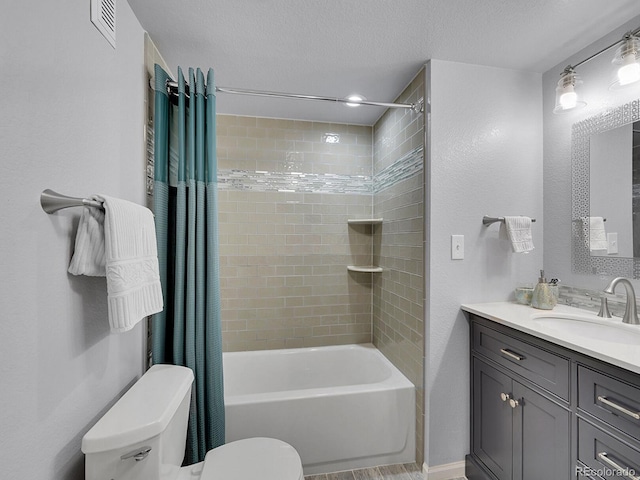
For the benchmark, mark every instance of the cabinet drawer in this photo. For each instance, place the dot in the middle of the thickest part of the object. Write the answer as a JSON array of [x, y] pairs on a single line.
[[544, 368], [605, 456], [610, 400]]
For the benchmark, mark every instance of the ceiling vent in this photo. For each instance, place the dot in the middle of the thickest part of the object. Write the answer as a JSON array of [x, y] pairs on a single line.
[[103, 16]]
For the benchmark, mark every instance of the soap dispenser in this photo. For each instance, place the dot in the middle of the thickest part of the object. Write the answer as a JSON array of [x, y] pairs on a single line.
[[543, 296]]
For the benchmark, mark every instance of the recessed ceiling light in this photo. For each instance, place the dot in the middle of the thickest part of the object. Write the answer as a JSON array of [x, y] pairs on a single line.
[[354, 100]]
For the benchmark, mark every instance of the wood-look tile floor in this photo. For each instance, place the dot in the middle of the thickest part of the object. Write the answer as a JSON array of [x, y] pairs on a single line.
[[408, 471]]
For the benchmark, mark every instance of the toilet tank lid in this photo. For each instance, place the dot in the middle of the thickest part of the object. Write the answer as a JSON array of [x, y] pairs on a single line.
[[143, 412]]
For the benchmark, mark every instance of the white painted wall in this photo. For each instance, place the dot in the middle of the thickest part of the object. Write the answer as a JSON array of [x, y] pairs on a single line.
[[484, 156], [71, 120], [596, 74]]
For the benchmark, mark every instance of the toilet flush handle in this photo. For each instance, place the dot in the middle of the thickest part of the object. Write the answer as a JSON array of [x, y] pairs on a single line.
[[138, 454]]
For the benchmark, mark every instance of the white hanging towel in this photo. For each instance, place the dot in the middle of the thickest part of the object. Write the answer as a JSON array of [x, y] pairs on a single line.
[[88, 255], [121, 245], [519, 233], [597, 235]]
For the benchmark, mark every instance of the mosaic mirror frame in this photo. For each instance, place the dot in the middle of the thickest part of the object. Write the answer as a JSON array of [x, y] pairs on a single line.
[[582, 260]]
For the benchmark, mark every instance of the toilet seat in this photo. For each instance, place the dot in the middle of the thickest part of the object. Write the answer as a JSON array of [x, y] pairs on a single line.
[[253, 458]]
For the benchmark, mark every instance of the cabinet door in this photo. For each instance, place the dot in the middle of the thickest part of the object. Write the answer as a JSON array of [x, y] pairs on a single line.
[[541, 434], [492, 420]]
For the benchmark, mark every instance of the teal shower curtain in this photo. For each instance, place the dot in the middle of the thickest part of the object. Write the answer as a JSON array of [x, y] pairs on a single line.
[[188, 331]]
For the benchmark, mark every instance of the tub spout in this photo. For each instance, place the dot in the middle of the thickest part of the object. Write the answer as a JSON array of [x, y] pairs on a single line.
[[631, 310]]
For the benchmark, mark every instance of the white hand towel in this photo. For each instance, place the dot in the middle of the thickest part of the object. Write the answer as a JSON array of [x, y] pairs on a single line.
[[519, 233], [88, 255], [597, 234], [130, 258]]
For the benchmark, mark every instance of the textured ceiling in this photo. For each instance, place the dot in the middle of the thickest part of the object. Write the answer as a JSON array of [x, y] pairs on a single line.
[[373, 47]]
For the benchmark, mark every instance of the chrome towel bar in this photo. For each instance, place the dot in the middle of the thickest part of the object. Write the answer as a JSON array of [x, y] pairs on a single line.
[[53, 201], [487, 220]]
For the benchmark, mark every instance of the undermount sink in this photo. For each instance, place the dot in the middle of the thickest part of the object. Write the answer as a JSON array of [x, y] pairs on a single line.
[[596, 328]]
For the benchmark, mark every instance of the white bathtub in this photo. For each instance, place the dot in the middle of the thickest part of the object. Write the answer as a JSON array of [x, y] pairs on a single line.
[[341, 407]]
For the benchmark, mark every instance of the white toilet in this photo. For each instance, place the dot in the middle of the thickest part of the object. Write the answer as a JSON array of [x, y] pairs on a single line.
[[142, 437]]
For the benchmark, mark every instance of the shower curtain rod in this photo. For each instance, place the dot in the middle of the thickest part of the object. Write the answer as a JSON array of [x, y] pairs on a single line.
[[172, 89]]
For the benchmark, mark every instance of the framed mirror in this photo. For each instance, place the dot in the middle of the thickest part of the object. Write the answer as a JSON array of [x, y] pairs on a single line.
[[606, 193]]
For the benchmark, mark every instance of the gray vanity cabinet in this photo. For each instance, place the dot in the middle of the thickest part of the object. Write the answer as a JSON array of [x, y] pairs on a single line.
[[517, 433], [492, 419], [540, 411], [541, 430], [521, 423]]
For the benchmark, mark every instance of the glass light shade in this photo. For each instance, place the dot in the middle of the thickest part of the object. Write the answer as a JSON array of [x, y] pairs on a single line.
[[627, 58], [567, 98], [628, 74]]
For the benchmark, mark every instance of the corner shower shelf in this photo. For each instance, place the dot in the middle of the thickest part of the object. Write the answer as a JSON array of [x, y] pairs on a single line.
[[364, 221], [364, 269]]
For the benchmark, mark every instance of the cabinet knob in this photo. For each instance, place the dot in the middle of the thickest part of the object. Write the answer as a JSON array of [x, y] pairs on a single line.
[[513, 403], [504, 397]]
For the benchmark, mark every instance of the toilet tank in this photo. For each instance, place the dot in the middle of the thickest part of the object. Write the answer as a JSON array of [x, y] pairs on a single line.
[[153, 414]]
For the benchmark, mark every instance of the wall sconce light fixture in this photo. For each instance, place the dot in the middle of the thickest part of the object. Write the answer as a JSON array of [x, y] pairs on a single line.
[[566, 96], [627, 58]]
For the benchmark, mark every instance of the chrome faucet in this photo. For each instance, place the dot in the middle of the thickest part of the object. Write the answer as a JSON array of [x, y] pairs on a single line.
[[631, 311]]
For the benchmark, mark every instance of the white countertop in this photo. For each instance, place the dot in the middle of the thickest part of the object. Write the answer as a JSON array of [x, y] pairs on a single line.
[[520, 317]]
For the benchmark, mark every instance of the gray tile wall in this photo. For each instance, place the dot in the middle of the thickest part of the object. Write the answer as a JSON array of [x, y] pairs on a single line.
[[284, 247], [398, 313]]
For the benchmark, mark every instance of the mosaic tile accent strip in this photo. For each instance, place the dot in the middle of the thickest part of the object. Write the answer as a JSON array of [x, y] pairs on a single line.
[[406, 167], [262, 181], [590, 299]]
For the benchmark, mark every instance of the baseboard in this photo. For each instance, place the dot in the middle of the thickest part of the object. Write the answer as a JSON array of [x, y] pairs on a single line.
[[447, 471]]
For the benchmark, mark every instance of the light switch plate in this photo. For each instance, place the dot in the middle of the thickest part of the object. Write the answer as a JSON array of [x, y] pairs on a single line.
[[457, 247]]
